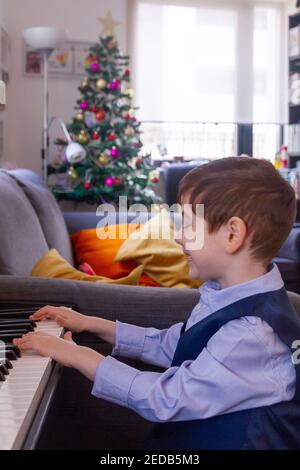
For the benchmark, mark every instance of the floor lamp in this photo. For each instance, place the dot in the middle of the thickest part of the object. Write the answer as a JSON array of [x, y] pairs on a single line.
[[45, 39]]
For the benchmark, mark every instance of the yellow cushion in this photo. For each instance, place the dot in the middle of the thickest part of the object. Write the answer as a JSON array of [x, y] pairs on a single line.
[[162, 259], [55, 266]]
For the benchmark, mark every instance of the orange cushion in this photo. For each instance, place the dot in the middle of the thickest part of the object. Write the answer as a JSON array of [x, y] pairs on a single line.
[[100, 253]]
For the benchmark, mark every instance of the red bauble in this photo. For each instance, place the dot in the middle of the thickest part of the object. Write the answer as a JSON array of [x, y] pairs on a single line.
[[94, 109], [127, 72], [100, 115], [87, 185], [138, 161], [112, 137], [95, 136], [118, 180], [155, 179], [127, 116]]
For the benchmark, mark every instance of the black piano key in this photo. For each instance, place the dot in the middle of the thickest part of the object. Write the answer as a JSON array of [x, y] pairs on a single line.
[[4, 369], [16, 321], [12, 330], [11, 355], [8, 364], [17, 313], [8, 335], [11, 347], [16, 326]]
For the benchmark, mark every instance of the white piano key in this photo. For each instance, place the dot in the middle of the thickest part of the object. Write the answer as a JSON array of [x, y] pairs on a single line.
[[22, 391]]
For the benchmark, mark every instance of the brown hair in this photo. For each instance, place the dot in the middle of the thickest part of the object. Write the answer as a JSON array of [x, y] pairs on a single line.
[[245, 187]]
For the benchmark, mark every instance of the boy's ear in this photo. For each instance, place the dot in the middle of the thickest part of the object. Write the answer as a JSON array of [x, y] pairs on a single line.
[[236, 234]]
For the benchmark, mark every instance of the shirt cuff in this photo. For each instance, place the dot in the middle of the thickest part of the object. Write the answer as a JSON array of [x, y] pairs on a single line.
[[130, 340], [113, 381]]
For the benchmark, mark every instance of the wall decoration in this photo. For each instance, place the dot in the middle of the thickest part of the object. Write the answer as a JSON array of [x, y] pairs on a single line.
[[81, 51], [4, 54], [66, 61], [61, 60]]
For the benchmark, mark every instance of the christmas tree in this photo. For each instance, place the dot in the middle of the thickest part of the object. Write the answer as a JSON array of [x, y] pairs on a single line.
[[105, 125]]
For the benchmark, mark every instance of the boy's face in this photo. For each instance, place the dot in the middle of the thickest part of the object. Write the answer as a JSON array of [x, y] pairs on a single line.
[[206, 260], [212, 254]]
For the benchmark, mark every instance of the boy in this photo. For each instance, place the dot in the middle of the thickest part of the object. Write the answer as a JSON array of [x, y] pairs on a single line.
[[230, 382]]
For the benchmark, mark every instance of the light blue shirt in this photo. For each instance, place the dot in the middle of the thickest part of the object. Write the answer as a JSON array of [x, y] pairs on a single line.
[[244, 365]]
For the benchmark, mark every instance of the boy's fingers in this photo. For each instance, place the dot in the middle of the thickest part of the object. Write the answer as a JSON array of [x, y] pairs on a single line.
[[23, 342], [45, 312], [68, 336], [60, 320], [36, 333]]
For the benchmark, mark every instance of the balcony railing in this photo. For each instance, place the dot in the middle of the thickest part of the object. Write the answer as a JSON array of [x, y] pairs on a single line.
[[196, 140]]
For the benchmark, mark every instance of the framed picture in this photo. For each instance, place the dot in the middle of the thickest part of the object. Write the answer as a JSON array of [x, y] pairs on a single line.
[[61, 60], [4, 54], [33, 62], [81, 51], [66, 61]]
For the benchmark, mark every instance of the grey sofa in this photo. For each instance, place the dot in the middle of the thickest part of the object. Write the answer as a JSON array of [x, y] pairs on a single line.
[[31, 223]]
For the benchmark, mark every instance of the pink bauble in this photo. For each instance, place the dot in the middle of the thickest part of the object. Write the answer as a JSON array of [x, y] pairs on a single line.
[[95, 67], [84, 105], [114, 85], [114, 152], [109, 181]]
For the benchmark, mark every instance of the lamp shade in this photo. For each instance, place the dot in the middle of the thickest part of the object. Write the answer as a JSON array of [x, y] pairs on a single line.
[[75, 153], [44, 37]]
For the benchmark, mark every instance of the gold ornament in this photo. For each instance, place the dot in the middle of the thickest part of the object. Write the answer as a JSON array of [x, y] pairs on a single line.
[[131, 112], [84, 83], [72, 172], [129, 92], [129, 131], [104, 159], [83, 137], [79, 116], [101, 84]]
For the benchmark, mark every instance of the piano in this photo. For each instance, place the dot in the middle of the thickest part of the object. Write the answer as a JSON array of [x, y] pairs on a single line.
[[27, 381], [44, 406]]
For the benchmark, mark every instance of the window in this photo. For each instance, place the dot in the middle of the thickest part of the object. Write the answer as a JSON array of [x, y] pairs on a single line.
[[208, 61]]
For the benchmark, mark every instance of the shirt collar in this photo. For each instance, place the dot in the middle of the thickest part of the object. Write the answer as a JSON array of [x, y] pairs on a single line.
[[215, 298]]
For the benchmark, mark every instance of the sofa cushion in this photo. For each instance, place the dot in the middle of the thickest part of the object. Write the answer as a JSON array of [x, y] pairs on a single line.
[[154, 247], [48, 212], [53, 265], [22, 238], [99, 252]]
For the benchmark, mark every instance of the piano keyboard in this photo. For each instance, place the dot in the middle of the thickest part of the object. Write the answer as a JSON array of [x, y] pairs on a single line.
[[23, 377]]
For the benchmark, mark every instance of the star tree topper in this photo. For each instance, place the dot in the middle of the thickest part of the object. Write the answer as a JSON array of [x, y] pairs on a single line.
[[108, 25]]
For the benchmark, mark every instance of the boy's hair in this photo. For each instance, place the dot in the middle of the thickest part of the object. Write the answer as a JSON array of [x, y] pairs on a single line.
[[245, 187]]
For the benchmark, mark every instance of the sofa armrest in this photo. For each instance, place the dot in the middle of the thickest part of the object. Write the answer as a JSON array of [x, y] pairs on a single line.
[[291, 247], [144, 306]]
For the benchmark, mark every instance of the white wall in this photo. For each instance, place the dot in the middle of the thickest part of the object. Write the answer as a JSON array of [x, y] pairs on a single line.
[[22, 143], [2, 10], [291, 7]]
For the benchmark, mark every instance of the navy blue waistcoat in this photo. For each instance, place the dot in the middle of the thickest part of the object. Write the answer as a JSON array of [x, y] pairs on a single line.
[[269, 427]]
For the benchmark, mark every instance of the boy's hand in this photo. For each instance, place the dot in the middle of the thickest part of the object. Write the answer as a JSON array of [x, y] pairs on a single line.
[[46, 345], [62, 350], [63, 316]]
